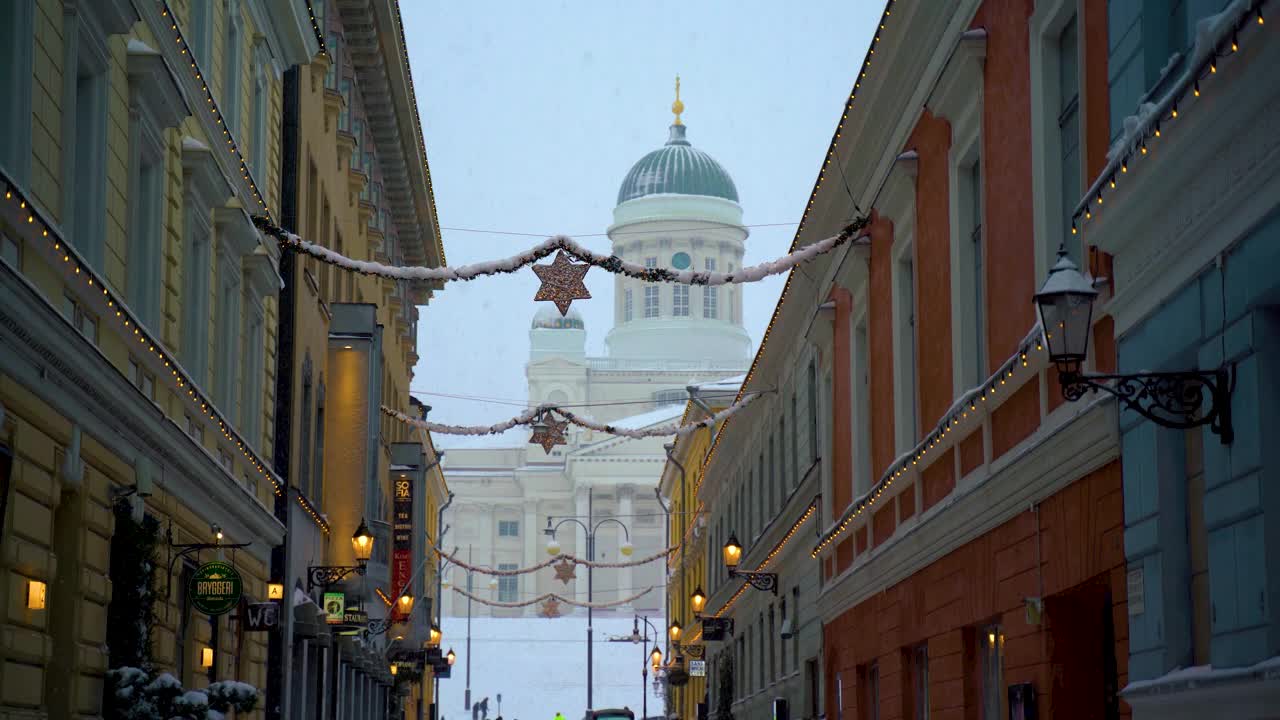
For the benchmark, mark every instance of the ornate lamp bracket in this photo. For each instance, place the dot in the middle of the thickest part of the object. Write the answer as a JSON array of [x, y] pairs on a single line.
[[324, 576], [758, 580], [1169, 399]]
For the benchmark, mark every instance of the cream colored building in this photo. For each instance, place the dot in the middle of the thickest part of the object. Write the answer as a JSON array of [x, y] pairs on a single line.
[[677, 208]]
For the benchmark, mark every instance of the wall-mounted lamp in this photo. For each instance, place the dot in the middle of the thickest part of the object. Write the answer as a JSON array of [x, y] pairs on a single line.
[[36, 594]]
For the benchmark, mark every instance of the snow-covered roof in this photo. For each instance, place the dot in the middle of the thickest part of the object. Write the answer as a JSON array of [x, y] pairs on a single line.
[[516, 437], [666, 413]]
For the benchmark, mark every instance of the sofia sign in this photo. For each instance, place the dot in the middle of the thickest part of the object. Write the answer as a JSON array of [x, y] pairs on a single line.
[[215, 588]]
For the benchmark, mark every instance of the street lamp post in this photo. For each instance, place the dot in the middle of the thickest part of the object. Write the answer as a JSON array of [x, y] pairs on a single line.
[[493, 583], [553, 547], [654, 657]]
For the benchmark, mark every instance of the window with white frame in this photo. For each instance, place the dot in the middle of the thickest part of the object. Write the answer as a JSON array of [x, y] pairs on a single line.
[[232, 52], [227, 342], [195, 430], [252, 386], [143, 380], [680, 300], [970, 344], [710, 293], [508, 585], [651, 308], [84, 133], [812, 387], [508, 528], [628, 305], [197, 268], [199, 34], [80, 318], [1069, 160], [904, 355], [17, 47], [260, 127], [862, 479]]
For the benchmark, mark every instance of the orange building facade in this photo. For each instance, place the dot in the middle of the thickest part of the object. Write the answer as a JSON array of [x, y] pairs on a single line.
[[972, 545]]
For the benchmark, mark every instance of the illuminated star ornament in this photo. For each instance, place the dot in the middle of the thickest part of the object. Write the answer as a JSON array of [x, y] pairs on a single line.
[[562, 282], [549, 432], [550, 608], [565, 571]]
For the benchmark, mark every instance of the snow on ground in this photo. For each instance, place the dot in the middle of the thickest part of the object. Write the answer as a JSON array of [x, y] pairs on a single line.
[[540, 667]]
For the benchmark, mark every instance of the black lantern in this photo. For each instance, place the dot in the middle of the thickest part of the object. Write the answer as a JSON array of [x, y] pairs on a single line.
[[697, 601], [759, 580], [1170, 399], [327, 575]]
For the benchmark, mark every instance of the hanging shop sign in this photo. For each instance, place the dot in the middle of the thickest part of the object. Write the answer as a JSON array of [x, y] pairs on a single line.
[[262, 617], [215, 588], [714, 628], [402, 537], [335, 606], [697, 668]]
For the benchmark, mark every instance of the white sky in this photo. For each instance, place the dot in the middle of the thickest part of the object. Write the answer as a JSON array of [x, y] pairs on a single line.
[[534, 111]]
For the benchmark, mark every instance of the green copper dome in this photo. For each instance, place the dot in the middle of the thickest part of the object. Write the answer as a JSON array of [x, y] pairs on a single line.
[[677, 168]]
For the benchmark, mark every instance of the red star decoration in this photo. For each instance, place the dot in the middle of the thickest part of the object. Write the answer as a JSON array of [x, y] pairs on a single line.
[[551, 435], [565, 571], [550, 608], [562, 282]]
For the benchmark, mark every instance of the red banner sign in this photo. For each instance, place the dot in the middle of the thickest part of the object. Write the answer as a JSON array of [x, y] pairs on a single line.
[[402, 541]]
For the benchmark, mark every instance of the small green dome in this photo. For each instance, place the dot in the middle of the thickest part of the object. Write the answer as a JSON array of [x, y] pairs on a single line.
[[677, 168]]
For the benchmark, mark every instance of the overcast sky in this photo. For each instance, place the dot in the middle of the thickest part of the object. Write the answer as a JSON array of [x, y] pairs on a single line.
[[534, 111]]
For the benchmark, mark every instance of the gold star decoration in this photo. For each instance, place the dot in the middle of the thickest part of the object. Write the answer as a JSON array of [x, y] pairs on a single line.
[[562, 282], [550, 435], [550, 608], [565, 570]]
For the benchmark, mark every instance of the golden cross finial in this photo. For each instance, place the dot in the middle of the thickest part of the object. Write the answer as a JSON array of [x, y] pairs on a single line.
[[677, 107]]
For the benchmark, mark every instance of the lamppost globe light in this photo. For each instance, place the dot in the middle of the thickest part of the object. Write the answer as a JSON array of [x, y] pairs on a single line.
[[446, 583], [493, 583], [627, 548], [362, 543], [553, 547], [732, 552]]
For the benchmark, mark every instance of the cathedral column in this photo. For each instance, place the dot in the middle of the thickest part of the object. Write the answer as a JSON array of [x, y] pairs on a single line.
[[625, 577]]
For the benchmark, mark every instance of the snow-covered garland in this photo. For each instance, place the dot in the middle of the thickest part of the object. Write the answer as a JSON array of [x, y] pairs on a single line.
[[548, 596], [453, 560], [610, 263], [528, 417]]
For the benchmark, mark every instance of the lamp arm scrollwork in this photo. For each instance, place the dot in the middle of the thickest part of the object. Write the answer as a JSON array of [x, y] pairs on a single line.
[[1170, 399]]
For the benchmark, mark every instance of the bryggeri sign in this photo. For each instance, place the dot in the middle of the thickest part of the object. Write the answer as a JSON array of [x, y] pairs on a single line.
[[215, 588]]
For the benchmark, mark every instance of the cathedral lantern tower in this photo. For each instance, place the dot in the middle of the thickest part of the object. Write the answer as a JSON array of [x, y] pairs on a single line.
[[678, 208]]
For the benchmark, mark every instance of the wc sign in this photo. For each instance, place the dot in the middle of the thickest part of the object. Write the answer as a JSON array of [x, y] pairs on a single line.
[[262, 617]]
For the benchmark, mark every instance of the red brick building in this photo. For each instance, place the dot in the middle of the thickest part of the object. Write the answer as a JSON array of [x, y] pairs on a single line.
[[971, 551]]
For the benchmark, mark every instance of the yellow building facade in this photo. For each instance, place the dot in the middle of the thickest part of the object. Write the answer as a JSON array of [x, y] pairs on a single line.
[[687, 566], [138, 306], [357, 182]]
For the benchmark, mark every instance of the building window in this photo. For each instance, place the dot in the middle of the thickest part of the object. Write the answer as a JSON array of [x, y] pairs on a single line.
[[786, 476], [17, 40], [10, 251], [680, 300], [260, 128], [651, 301], [795, 439], [333, 43], [972, 343], [141, 379], [1198, 546], [773, 658], [991, 672], [627, 305], [813, 410], [1068, 135], [196, 270], [508, 528], [904, 355], [920, 681], [1142, 36], [251, 403], [85, 145], [229, 323], [80, 319], [224, 459], [344, 116], [775, 476], [872, 693], [795, 626], [710, 293], [508, 585], [200, 35], [231, 67], [195, 430], [862, 409]]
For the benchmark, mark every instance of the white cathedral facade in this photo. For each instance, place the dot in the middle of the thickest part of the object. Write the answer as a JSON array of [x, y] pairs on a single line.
[[677, 208]]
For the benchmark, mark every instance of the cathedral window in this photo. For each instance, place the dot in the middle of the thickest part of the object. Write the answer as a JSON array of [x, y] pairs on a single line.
[[651, 301], [710, 294], [680, 301], [627, 305]]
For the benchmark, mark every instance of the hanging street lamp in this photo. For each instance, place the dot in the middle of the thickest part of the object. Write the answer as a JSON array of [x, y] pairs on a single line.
[[324, 576], [732, 552], [1170, 399], [698, 601]]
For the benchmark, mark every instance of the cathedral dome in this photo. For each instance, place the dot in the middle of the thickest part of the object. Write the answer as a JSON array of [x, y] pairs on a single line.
[[550, 318], [677, 168]]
